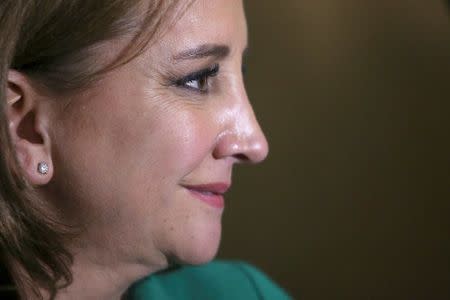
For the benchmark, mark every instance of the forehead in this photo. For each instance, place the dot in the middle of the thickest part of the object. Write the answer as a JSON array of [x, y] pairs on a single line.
[[206, 22]]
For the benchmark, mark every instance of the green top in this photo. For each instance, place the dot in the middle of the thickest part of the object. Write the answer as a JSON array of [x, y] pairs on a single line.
[[218, 280]]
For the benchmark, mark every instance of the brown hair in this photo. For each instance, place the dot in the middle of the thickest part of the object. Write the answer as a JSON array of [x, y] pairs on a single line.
[[53, 43]]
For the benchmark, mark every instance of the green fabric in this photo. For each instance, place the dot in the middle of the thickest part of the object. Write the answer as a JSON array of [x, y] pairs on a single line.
[[218, 280]]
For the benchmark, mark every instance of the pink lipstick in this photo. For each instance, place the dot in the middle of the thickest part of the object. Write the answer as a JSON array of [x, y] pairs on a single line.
[[211, 194]]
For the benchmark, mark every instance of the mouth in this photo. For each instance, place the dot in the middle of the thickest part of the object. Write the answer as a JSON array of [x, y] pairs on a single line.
[[212, 193]]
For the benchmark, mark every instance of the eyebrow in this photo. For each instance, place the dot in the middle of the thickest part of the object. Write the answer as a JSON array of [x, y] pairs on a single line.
[[202, 51]]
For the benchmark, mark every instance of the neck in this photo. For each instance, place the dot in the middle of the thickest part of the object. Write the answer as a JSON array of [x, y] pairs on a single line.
[[98, 278], [101, 282]]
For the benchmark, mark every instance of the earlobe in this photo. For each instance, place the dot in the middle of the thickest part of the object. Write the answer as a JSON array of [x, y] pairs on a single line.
[[26, 119], [37, 171]]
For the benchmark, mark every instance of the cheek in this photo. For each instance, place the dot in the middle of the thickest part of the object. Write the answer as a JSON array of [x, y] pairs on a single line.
[[183, 142], [177, 144]]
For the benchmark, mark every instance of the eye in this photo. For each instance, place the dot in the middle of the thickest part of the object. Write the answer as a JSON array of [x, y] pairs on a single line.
[[198, 81]]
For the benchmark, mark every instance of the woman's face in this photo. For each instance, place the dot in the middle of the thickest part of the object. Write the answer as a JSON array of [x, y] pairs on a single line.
[[142, 158]]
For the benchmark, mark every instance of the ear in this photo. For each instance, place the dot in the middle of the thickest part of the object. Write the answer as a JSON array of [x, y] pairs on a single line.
[[28, 119]]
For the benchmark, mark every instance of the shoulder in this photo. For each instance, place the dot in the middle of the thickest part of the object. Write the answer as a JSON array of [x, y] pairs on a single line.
[[216, 280]]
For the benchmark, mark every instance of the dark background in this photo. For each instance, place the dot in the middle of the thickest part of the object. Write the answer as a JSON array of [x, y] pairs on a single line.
[[353, 201]]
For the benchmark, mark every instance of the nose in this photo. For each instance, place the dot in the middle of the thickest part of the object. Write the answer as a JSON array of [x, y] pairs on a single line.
[[242, 137]]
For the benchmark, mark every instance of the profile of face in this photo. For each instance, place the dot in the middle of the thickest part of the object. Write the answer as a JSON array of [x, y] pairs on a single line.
[[142, 159]]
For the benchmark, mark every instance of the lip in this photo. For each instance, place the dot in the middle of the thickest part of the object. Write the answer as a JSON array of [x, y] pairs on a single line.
[[210, 193]]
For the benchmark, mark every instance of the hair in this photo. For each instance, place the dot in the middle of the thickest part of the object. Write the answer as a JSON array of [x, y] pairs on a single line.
[[54, 44]]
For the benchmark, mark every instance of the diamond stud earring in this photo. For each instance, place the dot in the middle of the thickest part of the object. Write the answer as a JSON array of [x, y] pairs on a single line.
[[42, 168]]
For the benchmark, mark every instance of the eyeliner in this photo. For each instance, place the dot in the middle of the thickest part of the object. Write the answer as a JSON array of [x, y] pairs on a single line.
[[208, 72]]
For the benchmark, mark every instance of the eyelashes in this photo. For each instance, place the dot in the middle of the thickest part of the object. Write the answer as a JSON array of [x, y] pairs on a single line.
[[198, 81]]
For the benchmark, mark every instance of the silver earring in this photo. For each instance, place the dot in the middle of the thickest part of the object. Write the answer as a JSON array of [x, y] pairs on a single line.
[[42, 168]]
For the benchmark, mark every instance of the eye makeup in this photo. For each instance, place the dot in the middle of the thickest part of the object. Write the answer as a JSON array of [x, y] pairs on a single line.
[[197, 81]]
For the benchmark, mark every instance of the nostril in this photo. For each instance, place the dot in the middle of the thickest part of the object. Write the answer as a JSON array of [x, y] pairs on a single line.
[[241, 157]]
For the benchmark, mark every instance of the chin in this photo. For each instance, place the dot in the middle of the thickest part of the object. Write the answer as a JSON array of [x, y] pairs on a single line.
[[200, 248]]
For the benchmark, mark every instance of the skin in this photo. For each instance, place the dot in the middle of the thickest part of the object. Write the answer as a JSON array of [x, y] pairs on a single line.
[[121, 152]]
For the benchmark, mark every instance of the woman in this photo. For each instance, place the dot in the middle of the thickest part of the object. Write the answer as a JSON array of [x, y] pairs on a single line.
[[121, 122]]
